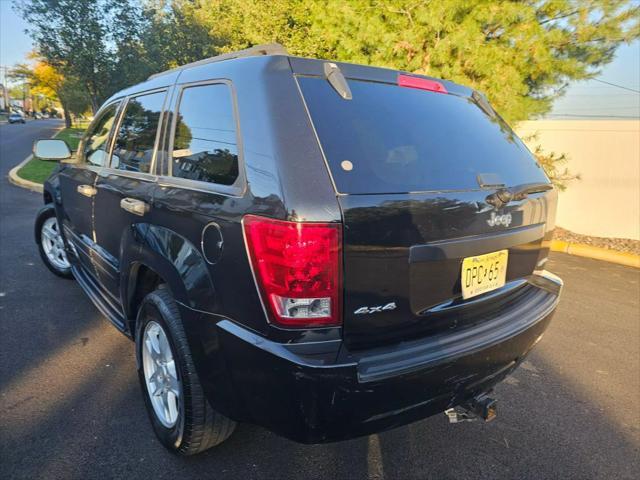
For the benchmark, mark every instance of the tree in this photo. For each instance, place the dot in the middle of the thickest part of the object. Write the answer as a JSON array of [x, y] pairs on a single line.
[[43, 78], [521, 54], [553, 164], [92, 41], [69, 34], [73, 98], [128, 27], [173, 36], [33, 84], [18, 91]]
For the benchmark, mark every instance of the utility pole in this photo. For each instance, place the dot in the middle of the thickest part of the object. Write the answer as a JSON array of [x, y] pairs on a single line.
[[4, 103]]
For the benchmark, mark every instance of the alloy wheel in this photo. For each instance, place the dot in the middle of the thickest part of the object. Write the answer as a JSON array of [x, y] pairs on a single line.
[[163, 386], [53, 245]]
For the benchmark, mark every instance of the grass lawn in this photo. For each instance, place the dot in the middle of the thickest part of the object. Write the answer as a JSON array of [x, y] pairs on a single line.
[[71, 136], [37, 170]]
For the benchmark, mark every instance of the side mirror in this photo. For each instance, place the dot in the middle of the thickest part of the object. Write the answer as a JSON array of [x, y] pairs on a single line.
[[51, 149]]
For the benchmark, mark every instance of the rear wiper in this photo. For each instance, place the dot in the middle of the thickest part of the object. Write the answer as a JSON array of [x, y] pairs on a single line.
[[502, 196]]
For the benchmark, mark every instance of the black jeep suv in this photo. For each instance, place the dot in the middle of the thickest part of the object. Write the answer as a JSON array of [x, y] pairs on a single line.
[[324, 249]]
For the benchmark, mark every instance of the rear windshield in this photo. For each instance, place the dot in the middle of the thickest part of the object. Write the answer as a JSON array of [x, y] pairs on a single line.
[[391, 139]]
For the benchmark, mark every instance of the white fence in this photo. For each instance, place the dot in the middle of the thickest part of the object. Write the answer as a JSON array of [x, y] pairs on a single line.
[[606, 154]]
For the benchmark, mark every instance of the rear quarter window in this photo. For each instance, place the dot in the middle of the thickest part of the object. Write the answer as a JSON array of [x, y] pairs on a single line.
[[205, 146], [392, 139]]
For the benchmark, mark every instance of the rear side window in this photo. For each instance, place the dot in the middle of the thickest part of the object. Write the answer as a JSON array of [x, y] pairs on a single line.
[[136, 136], [392, 139], [205, 145], [95, 143]]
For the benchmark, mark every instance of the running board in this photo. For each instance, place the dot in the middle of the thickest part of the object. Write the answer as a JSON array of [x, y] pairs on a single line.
[[93, 292]]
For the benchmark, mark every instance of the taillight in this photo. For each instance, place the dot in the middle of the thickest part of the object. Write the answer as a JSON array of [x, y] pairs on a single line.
[[297, 267], [421, 83]]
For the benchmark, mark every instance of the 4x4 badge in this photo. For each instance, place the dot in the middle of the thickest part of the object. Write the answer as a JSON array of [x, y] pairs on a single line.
[[379, 308]]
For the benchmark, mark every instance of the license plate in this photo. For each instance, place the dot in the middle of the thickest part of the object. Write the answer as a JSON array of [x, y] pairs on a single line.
[[483, 273]]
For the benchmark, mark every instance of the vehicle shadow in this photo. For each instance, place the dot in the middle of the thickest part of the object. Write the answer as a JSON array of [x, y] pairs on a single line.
[[40, 314], [71, 408], [41, 335], [101, 431], [547, 427]]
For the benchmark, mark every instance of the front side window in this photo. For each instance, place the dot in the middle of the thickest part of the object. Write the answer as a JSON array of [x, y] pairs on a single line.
[[205, 146], [136, 135], [95, 143]]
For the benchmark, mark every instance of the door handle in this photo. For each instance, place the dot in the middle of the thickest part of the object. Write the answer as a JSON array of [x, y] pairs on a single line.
[[131, 205], [87, 190]]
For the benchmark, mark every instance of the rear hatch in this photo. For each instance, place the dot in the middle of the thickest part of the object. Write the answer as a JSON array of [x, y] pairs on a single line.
[[413, 169]]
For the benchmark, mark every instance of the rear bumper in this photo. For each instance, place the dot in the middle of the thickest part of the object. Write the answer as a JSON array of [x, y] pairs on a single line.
[[300, 395]]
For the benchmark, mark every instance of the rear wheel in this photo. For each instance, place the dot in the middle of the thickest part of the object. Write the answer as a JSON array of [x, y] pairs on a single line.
[[50, 242], [180, 414]]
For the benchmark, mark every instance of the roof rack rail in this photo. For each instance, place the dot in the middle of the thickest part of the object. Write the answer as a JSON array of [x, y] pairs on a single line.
[[255, 51]]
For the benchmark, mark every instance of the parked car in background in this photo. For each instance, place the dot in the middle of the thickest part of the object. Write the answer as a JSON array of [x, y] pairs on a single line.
[[327, 250], [16, 117]]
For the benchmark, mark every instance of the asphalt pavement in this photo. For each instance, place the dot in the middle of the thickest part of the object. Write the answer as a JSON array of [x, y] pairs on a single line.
[[70, 405]]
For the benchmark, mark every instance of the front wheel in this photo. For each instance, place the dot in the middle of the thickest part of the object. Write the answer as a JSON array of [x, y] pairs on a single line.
[[180, 414], [50, 242]]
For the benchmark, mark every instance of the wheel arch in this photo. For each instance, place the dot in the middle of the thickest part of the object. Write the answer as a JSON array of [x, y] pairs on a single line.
[[51, 188], [47, 197], [142, 281], [36, 227], [155, 256]]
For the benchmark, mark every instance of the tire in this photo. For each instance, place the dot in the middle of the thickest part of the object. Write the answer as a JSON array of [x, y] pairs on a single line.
[[50, 242], [196, 426]]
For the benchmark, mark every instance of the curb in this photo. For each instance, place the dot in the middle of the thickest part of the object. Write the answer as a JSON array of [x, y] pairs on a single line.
[[597, 253], [21, 182]]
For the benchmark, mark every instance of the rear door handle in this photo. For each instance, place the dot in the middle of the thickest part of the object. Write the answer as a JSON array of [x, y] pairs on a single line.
[[131, 205], [87, 190]]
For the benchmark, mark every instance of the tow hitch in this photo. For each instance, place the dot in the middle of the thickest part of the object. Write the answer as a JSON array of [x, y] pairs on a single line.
[[480, 407]]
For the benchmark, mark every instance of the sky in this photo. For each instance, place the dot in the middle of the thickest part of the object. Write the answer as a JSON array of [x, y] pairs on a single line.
[[585, 99], [595, 98], [14, 43]]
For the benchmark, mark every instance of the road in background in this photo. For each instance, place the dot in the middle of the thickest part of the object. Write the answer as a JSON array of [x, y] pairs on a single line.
[[16, 141], [70, 405]]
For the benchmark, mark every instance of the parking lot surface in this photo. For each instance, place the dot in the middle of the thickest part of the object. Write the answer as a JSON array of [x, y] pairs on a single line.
[[70, 405]]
